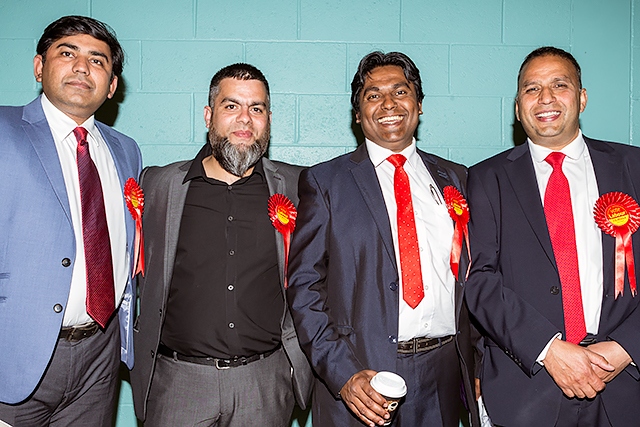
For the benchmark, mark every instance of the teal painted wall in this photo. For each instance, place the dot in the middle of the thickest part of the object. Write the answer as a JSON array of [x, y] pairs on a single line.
[[468, 52]]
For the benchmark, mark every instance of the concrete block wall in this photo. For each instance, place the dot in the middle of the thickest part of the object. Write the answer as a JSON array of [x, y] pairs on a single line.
[[468, 53]]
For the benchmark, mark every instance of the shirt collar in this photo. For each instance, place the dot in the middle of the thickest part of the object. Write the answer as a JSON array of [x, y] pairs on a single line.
[[62, 125], [196, 170], [379, 154], [573, 150]]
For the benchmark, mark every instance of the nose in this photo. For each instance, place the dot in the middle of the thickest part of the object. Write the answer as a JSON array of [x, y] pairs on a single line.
[[546, 96], [81, 65], [244, 116], [388, 102]]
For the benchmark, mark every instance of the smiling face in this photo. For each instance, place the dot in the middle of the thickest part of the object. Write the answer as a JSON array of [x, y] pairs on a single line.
[[389, 108], [76, 75], [550, 101]]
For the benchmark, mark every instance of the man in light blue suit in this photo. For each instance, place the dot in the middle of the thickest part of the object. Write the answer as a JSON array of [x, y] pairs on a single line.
[[59, 359]]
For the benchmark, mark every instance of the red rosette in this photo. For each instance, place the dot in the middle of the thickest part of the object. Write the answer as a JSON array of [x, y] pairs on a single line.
[[618, 215], [459, 213], [283, 214], [135, 203]]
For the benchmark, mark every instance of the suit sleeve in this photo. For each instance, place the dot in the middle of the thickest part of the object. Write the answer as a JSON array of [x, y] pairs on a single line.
[[509, 320], [329, 352]]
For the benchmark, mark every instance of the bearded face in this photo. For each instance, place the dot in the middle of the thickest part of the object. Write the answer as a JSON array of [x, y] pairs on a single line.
[[239, 123], [237, 158]]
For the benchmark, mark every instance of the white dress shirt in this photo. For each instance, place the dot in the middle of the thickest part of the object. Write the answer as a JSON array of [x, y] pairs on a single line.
[[435, 315], [578, 169], [66, 144]]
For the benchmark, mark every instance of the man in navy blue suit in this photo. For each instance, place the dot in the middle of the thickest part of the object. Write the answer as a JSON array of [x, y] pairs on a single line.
[[347, 284], [66, 237], [562, 325]]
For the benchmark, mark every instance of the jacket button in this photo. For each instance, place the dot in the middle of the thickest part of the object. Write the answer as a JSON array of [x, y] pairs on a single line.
[[66, 262], [393, 286], [57, 308], [393, 339], [554, 290], [153, 354]]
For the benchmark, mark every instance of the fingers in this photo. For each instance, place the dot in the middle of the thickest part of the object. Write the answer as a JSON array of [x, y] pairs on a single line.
[[570, 367], [363, 400], [599, 361]]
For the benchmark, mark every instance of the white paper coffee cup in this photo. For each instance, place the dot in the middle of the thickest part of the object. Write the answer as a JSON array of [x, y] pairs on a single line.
[[392, 387]]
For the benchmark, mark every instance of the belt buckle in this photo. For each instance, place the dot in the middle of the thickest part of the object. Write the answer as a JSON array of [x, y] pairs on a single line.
[[587, 341], [219, 366]]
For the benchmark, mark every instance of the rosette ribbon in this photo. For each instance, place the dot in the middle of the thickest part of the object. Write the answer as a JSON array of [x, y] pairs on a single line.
[[283, 214], [618, 215], [459, 213], [135, 203]]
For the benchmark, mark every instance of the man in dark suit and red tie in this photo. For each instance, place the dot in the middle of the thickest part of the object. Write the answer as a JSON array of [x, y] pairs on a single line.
[[371, 286], [547, 284]]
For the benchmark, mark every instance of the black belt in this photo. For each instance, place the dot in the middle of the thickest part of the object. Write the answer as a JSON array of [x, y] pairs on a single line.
[[77, 333], [418, 345], [213, 361]]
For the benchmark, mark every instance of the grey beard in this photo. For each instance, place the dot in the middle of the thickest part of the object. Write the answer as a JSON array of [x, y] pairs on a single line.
[[237, 159]]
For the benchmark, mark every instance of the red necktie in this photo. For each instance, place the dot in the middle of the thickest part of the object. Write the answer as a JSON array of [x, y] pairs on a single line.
[[95, 235], [559, 214], [412, 289]]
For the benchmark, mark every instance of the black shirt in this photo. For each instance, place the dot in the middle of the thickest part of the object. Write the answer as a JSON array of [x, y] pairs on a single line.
[[225, 298]]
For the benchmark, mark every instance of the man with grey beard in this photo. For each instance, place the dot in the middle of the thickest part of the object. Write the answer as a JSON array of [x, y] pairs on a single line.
[[215, 340]]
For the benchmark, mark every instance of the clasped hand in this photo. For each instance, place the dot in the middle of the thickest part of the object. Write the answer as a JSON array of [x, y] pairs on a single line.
[[582, 372]]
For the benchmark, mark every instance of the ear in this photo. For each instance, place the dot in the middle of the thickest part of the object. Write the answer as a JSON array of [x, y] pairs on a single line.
[[112, 87], [517, 110], [358, 118], [420, 108], [269, 117], [38, 64], [583, 99], [208, 115]]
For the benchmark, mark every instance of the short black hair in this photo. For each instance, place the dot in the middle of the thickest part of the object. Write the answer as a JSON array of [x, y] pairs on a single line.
[[74, 25], [239, 71], [552, 51], [379, 59]]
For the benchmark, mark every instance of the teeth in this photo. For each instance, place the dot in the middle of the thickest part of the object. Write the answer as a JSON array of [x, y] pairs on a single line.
[[548, 114], [389, 119]]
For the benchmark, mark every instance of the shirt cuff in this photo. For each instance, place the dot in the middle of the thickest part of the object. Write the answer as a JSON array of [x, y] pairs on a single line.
[[545, 350]]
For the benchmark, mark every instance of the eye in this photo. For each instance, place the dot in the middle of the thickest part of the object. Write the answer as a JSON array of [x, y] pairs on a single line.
[[229, 107], [561, 85], [372, 97], [401, 92], [531, 89], [66, 53], [258, 110], [97, 61]]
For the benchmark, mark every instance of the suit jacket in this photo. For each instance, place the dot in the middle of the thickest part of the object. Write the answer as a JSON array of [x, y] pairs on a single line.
[[343, 285], [36, 235], [165, 194], [513, 287]]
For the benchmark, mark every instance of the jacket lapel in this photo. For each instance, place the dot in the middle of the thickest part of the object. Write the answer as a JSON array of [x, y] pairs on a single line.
[[37, 129], [522, 178], [443, 178], [176, 195], [276, 184], [366, 180], [610, 177]]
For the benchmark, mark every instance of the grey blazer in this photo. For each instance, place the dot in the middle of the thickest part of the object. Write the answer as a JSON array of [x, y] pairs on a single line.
[[165, 194]]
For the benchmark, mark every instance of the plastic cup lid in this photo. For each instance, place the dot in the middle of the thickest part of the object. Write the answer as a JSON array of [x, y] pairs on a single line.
[[389, 384]]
